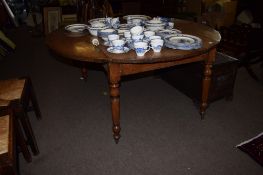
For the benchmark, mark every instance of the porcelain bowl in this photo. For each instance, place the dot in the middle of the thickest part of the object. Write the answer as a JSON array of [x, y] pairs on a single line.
[[96, 20], [136, 21], [154, 21], [106, 32], [94, 30], [155, 27], [98, 24]]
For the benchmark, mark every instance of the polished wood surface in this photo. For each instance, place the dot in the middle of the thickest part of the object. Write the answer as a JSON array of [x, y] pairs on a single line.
[[81, 48], [117, 65]]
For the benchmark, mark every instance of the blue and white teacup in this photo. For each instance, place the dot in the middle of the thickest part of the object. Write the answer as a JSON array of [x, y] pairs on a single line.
[[118, 45], [137, 30], [137, 38], [148, 34], [157, 44], [105, 32], [127, 34], [154, 37], [115, 22], [141, 48], [113, 37], [170, 25]]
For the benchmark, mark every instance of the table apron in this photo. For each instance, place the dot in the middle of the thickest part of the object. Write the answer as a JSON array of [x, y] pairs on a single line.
[[128, 69]]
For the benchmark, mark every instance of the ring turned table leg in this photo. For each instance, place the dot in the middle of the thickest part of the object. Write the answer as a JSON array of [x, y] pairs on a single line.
[[114, 83], [207, 81]]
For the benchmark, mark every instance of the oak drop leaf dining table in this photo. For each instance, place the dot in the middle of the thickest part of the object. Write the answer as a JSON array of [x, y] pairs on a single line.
[[117, 65]]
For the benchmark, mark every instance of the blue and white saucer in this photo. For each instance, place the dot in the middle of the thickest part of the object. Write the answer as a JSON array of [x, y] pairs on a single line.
[[112, 50], [165, 32], [76, 28], [183, 42]]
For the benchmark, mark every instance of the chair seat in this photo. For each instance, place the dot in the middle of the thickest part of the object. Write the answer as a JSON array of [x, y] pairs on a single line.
[[20, 94], [11, 89], [4, 134]]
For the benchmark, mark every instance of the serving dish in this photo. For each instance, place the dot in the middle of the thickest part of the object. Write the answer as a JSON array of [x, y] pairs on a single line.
[[76, 28], [183, 42], [165, 32], [143, 17], [95, 20]]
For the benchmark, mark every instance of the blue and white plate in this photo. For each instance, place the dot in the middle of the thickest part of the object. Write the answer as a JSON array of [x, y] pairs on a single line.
[[165, 32], [183, 42], [143, 17], [112, 50], [76, 28], [95, 20]]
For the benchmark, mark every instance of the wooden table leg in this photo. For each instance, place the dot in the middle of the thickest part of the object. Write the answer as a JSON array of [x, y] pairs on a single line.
[[114, 83], [84, 73], [206, 81]]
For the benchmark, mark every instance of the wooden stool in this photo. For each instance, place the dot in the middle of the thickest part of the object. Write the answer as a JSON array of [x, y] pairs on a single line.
[[20, 93]]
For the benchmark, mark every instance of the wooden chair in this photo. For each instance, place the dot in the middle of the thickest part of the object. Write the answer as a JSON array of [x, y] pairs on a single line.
[[8, 163], [18, 137], [89, 9], [20, 93]]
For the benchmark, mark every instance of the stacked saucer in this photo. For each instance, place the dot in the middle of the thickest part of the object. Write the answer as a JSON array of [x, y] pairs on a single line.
[[155, 25], [76, 29], [182, 42], [165, 32]]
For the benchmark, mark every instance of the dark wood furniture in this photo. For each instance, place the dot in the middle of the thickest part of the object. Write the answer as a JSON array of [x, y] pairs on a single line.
[[8, 158], [20, 93], [241, 42], [168, 8], [188, 78], [118, 65]]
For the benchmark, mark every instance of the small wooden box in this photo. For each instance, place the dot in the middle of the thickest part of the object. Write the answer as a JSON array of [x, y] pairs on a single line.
[[188, 78]]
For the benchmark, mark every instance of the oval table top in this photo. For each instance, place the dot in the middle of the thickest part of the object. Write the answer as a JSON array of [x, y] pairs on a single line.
[[80, 47]]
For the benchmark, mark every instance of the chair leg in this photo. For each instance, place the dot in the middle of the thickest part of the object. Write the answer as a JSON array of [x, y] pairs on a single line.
[[28, 131], [33, 99], [21, 142]]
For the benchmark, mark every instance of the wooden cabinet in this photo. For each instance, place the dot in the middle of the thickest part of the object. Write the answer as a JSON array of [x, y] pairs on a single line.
[[188, 78]]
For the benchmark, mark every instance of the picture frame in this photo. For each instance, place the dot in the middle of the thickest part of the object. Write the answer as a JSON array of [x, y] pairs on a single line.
[[52, 19]]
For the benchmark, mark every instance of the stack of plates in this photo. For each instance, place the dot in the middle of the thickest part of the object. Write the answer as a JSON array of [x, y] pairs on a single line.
[[155, 25], [143, 17], [97, 20], [182, 42], [165, 32], [76, 29], [134, 20]]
